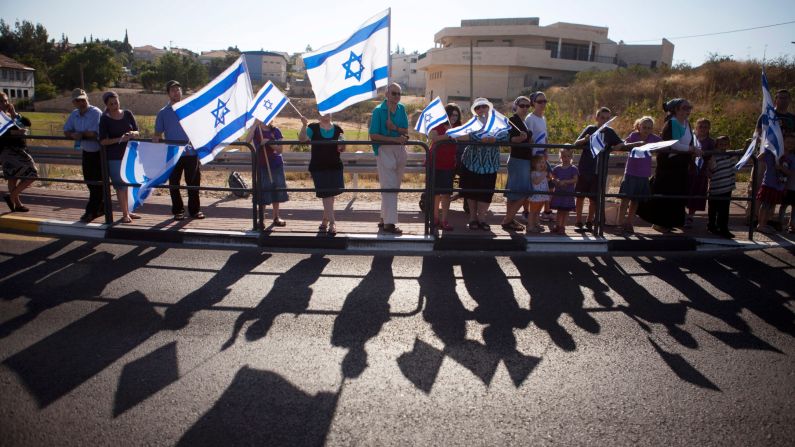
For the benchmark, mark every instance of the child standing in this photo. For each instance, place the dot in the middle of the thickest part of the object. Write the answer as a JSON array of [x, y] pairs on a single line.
[[772, 191], [636, 174], [539, 178], [721, 184], [565, 177]]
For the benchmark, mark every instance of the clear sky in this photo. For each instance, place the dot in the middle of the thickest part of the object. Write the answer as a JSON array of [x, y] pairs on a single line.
[[290, 26]]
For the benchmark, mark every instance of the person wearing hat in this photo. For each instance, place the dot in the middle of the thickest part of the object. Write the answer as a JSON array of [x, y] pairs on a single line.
[[389, 127], [82, 126], [167, 124], [116, 128], [479, 168]]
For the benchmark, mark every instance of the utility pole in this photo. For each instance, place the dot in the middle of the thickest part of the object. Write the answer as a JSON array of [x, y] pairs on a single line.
[[471, 74], [82, 81]]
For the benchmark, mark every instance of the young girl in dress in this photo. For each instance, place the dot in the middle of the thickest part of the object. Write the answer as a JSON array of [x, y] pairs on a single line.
[[564, 177], [539, 179]]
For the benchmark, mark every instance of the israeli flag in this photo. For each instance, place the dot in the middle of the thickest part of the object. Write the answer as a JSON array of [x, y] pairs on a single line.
[[496, 123], [433, 115], [699, 160], [149, 165], [350, 71], [772, 138], [5, 123], [217, 114], [267, 104], [598, 138], [646, 150], [473, 125]]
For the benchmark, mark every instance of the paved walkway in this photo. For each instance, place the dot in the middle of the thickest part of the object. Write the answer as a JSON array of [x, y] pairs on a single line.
[[356, 219]]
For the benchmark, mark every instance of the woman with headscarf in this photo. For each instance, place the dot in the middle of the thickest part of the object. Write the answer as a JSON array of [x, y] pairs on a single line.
[[15, 158], [116, 128], [479, 168], [670, 175]]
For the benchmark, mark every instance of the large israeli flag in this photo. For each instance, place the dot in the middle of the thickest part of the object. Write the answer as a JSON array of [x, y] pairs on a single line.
[[598, 138], [349, 71], [217, 114], [646, 150], [771, 137], [268, 102], [149, 165], [5, 123], [433, 115], [473, 125]]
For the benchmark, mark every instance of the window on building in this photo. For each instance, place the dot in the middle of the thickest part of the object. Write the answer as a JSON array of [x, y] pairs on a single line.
[[5, 90], [552, 47], [413, 71], [574, 51], [25, 93], [653, 64], [13, 93], [484, 43], [413, 60]]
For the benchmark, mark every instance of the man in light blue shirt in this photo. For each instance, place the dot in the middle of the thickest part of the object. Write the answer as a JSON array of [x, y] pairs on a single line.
[[167, 123], [82, 126], [389, 124]]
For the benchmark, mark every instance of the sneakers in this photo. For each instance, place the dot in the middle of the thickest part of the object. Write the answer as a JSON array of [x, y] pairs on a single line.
[[393, 229]]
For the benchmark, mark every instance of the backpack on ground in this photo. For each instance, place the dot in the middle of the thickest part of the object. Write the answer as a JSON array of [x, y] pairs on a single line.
[[237, 181]]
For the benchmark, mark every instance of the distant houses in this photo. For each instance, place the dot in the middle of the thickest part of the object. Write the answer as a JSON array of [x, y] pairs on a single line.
[[16, 79]]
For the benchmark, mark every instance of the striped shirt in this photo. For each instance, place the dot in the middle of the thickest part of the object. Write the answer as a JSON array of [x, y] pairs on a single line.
[[723, 176]]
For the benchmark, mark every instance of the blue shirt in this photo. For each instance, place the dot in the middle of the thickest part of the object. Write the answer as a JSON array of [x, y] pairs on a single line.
[[167, 123], [87, 122], [379, 118]]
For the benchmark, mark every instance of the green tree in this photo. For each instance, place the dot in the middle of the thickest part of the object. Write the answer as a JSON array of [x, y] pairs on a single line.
[[187, 70], [92, 64]]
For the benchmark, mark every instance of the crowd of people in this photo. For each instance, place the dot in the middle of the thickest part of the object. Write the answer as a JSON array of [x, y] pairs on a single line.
[[693, 174]]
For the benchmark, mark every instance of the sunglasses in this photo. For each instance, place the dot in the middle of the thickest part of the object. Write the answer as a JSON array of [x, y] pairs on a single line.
[[523, 106], [541, 101], [395, 93]]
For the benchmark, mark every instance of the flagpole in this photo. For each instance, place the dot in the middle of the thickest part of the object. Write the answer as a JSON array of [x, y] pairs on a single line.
[[389, 49], [296, 110], [264, 152]]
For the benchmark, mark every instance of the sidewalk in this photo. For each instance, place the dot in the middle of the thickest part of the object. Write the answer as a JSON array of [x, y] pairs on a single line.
[[230, 221]]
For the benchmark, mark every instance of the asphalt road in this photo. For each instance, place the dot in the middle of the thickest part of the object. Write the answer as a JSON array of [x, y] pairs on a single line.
[[108, 344]]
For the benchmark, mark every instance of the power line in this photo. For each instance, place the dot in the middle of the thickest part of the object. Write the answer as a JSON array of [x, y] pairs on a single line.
[[713, 34]]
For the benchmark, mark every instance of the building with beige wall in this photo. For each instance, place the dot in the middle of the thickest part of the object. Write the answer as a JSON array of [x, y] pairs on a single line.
[[266, 66], [509, 56], [404, 71]]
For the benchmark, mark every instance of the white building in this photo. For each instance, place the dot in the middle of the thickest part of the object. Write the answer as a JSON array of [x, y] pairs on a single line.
[[16, 80], [510, 56], [267, 66], [404, 71]]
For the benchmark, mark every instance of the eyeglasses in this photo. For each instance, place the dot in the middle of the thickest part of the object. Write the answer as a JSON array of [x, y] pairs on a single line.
[[523, 106], [481, 107], [541, 101], [395, 93]]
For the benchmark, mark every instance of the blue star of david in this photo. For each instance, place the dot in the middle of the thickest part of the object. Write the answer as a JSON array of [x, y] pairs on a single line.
[[267, 104], [349, 72], [220, 113], [428, 119]]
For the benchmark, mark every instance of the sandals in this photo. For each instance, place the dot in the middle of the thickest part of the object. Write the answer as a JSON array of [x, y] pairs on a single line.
[[179, 216], [474, 225], [134, 216], [126, 219], [513, 226], [322, 227], [279, 222], [332, 229]]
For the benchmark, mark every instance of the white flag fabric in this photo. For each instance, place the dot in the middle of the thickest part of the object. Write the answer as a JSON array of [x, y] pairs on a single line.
[[496, 123], [268, 102], [772, 138], [217, 114], [5, 123], [646, 150], [433, 115], [147, 164], [350, 71], [473, 125], [598, 138]]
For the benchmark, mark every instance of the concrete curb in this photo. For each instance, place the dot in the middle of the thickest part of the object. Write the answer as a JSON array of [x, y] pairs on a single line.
[[375, 243]]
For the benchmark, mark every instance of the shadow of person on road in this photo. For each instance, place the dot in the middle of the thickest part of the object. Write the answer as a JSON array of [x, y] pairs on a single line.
[[238, 265], [262, 408], [554, 289], [51, 284], [290, 294], [364, 313]]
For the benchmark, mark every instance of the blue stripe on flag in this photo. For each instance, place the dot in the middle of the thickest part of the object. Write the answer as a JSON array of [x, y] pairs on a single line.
[[211, 94], [435, 123], [418, 126], [223, 134], [346, 93], [540, 138], [5, 127], [465, 126], [357, 37]]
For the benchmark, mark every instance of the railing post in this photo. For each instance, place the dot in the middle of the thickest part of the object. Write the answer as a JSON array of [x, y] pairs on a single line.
[[103, 159], [752, 203]]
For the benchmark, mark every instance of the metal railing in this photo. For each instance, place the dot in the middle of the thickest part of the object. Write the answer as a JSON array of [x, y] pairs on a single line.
[[430, 229]]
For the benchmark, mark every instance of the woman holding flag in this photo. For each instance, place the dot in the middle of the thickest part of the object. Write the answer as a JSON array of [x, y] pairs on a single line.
[[444, 166], [479, 167], [271, 167], [116, 128]]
